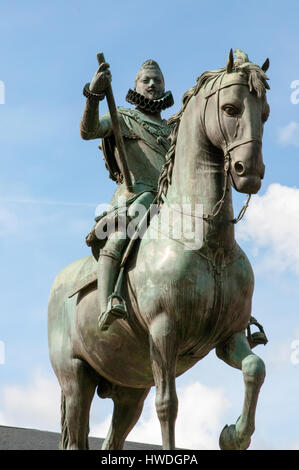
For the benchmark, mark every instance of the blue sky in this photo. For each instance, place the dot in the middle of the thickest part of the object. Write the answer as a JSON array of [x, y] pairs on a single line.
[[51, 182]]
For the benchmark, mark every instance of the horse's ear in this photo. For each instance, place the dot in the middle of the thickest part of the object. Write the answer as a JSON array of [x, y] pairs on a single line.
[[265, 65], [230, 62]]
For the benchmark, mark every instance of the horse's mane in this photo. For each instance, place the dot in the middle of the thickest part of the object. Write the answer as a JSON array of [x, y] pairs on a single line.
[[257, 82]]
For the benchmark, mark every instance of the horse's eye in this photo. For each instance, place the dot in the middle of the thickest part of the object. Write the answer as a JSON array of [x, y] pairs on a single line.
[[230, 110]]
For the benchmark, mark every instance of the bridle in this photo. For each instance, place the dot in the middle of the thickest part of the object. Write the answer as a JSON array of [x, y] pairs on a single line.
[[229, 146]]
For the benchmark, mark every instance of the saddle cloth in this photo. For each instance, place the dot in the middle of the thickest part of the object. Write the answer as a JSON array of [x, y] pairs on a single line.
[[87, 275]]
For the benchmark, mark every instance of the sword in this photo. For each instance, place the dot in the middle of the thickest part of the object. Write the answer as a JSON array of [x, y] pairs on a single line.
[[121, 157]]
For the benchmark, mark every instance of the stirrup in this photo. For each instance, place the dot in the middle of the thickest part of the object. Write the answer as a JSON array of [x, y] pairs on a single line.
[[257, 338], [113, 312]]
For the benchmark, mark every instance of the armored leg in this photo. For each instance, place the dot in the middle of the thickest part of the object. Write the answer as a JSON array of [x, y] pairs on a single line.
[[112, 305]]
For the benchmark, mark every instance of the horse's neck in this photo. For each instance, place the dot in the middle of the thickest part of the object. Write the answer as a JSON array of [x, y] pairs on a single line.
[[198, 178]]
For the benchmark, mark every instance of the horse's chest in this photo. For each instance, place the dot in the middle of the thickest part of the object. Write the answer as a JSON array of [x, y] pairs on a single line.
[[212, 298], [208, 293]]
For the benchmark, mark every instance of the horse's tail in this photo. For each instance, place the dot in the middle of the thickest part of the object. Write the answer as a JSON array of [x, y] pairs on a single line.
[[64, 428]]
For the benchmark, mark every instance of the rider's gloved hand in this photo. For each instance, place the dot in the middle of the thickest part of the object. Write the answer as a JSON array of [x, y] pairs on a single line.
[[101, 79]]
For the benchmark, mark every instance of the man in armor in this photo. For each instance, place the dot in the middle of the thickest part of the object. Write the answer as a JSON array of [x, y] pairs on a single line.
[[145, 136]]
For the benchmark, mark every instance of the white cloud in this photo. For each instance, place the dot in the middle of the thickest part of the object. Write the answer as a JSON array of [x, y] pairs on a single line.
[[3, 420], [199, 422], [36, 405], [201, 415], [272, 223], [100, 429], [289, 134]]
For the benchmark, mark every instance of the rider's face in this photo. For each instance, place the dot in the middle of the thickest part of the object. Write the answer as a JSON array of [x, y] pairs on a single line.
[[150, 84]]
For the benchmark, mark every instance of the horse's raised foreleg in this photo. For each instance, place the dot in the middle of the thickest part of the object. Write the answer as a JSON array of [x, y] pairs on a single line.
[[163, 350], [128, 404], [237, 353], [78, 387]]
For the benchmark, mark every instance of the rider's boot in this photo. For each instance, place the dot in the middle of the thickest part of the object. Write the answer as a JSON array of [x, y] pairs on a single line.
[[112, 305]]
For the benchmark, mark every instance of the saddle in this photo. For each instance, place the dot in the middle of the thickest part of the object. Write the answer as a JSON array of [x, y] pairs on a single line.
[[90, 273], [101, 225]]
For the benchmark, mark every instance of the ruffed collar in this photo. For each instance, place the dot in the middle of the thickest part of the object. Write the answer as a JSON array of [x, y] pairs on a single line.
[[148, 105]]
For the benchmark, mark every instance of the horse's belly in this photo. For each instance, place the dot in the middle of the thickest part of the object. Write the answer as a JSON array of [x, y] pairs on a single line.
[[120, 354]]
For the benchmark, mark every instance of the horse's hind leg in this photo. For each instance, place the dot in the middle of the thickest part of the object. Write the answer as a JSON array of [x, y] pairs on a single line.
[[237, 353], [78, 386], [128, 405]]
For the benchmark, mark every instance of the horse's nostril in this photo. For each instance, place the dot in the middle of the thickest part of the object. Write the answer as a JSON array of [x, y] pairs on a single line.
[[239, 168]]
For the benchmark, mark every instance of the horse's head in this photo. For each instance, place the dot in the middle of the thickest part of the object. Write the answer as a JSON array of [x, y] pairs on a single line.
[[234, 115]]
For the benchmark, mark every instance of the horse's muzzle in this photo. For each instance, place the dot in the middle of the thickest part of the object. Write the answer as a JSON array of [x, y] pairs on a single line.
[[247, 169], [249, 184]]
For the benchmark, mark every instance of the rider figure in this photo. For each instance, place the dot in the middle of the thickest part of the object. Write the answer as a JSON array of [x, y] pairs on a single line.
[[145, 136]]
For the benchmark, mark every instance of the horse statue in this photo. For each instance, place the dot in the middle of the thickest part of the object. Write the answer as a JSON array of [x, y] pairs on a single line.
[[181, 302]]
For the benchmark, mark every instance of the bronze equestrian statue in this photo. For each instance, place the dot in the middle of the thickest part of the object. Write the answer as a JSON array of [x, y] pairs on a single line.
[[180, 303]]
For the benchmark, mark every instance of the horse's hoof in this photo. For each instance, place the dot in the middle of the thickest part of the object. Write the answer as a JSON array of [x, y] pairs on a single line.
[[229, 440]]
